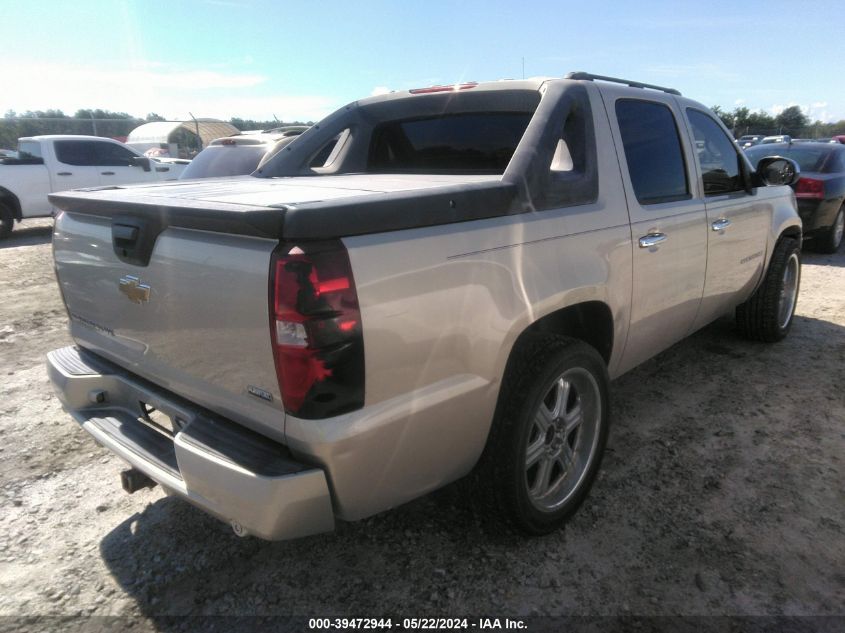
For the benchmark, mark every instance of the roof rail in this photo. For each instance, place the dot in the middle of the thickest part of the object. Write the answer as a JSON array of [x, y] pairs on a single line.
[[633, 84]]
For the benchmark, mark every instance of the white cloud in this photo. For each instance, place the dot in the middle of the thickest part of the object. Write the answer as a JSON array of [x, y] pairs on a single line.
[[379, 90], [815, 111], [739, 102], [152, 87]]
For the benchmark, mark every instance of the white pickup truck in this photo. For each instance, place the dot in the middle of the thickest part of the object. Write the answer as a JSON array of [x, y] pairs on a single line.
[[50, 163], [424, 284]]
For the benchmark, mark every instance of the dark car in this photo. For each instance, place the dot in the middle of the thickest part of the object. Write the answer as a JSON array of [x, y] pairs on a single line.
[[820, 190]]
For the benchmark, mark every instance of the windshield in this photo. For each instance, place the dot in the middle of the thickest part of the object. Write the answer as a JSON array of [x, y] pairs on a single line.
[[224, 160]]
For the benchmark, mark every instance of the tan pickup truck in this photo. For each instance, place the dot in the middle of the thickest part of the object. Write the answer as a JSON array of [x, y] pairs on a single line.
[[424, 285]]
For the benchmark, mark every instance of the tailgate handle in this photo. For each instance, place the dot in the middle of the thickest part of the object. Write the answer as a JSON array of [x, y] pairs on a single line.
[[133, 238], [124, 235]]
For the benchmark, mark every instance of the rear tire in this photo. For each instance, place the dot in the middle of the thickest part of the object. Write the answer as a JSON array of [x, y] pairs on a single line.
[[548, 434], [830, 241], [7, 221], [768, 314]]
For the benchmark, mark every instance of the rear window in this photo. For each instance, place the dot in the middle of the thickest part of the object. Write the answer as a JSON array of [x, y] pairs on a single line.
[[817, 159], [225, 160], [29, 149], [476, 142]]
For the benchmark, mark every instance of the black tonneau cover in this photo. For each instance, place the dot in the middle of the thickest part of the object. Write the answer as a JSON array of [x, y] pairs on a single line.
[[359, 213]]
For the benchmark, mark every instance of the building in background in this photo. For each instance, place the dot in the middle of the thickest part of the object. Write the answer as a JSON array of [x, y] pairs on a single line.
[[178, 139]]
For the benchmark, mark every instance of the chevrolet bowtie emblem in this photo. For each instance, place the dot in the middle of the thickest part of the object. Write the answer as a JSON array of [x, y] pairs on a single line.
[[134, 289]]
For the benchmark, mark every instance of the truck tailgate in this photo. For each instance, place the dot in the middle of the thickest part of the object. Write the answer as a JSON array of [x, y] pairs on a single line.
[[194, 319]]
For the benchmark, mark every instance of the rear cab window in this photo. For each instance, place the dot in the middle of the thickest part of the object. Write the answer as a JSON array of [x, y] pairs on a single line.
[[443, 133], [475, 142]]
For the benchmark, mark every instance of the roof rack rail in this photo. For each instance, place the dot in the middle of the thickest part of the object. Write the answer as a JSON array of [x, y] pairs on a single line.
[[633, 84]]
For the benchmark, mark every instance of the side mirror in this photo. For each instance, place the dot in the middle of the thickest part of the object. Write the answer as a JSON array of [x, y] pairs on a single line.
[[141, 161], [777, 170]]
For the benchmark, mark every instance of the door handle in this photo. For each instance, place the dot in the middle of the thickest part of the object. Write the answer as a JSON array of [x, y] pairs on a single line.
[[652, 239], [721, 224], [107, 173], [64, 173]]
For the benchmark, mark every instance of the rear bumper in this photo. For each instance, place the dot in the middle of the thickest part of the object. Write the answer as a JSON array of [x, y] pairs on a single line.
[[229, 471]]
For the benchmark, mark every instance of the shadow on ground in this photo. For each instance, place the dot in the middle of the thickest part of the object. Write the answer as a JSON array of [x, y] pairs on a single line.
[[24, 235], [809, 256], [707, 473]]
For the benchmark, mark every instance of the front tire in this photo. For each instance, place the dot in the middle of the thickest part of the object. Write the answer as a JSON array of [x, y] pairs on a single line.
[[768, 314], [548, 435]]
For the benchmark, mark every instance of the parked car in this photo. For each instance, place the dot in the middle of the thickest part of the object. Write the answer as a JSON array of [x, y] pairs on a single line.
[[57, 162], [780, 138], [820, 190], [449, 288], [749, 140], [239, 155], [8, 153], [838, 139]]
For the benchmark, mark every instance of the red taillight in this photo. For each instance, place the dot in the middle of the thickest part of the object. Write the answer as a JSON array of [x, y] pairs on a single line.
[[809, 188], [422, 91], [316, 331]]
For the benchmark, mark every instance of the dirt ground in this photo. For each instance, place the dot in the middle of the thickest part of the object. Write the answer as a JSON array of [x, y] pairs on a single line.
[[722, 493]]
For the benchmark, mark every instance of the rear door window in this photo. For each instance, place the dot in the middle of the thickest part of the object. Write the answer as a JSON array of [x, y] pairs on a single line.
[[652, 151], [476, 142], [76, 152]]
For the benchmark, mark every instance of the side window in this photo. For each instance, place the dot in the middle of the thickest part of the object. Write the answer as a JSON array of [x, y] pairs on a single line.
[[113, 155], [717, 155], [652, 150], [76, 153]]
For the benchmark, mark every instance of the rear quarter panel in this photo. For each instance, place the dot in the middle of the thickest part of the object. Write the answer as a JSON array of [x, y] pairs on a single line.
[[441, 309]]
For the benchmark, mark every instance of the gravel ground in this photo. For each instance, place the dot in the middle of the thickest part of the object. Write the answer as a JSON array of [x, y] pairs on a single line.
[[722, 493]]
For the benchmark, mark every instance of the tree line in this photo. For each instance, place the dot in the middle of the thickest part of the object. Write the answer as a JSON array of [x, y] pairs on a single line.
[[790, 121], [99, 122], [94, 122]]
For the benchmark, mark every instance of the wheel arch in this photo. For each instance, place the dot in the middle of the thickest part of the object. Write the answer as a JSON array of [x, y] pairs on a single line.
[[10, 200], [588, 321]]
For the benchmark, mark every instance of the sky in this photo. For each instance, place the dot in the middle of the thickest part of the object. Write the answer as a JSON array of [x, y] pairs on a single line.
[[302, 60]]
